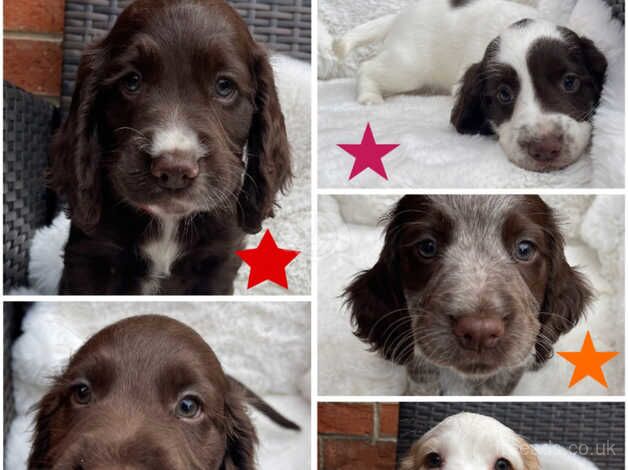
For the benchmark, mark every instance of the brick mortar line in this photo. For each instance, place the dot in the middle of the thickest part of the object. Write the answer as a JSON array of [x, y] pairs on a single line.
[[375, 422], [321, 453], [32, 36], [345, 437]]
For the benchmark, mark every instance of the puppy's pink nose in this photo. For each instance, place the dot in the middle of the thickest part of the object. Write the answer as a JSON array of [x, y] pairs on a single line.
[[477, 333], [545, 148], [174, 171]]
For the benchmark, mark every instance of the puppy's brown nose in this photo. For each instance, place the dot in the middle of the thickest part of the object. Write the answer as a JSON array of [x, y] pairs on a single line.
[[477, 333], [545, 148], [174, 171]]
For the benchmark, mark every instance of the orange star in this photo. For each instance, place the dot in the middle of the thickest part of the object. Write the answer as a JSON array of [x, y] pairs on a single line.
[[588, 362]]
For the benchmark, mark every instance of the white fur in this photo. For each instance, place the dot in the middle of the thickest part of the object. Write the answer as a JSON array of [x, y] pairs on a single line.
[[161, 253], [176, 137], [554, 457], [427, 45], [469, 441]]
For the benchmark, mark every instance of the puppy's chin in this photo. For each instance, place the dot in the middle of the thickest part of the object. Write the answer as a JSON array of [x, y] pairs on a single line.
[[519, 158], [472, 364], [170, 208]]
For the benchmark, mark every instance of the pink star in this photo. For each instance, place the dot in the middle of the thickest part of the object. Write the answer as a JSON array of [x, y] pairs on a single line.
[[368, 154]]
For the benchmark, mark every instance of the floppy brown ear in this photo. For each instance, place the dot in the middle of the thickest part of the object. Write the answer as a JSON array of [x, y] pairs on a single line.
[[45, 411], [566, 297], [528, 455], [596, 63], [268, 168], [75, 167], [378, 306], [468, 115], [241, 437]]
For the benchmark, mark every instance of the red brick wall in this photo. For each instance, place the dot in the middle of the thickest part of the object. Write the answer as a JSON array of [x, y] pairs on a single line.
[[33, 31], [356, 436]]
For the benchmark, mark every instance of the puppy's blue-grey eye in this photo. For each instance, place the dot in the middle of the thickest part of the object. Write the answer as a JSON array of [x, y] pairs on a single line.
[[225, 87], [570, 83], [503, 464], [81, 394], [133, 82], [433, 460], [525, 250], [188, 407], [428, 248], [504, 94]]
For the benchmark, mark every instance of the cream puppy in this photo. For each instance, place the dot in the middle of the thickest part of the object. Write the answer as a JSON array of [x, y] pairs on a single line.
[[468, 441]]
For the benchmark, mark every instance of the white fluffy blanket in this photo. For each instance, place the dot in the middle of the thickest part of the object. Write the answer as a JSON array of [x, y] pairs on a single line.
[[275, 362], [431, 153], [350, 241], [290, 227]]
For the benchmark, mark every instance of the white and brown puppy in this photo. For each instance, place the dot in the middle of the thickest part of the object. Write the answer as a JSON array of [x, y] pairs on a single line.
[[534, 84], [468, 441]]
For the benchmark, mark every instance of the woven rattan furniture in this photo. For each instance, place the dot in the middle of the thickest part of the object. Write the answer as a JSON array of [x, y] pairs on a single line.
[[598, 426], [28, 125]]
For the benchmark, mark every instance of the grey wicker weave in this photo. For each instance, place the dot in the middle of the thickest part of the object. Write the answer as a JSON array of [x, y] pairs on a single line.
[[283, 25], [28, 125], [596, 425]]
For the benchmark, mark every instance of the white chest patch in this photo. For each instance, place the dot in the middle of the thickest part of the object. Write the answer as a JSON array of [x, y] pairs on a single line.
[[161, 253]]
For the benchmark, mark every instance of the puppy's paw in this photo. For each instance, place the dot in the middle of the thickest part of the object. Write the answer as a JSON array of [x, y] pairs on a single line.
[[370, 98]]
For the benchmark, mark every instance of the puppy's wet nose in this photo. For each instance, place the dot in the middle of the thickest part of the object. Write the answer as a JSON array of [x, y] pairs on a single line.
[[477, 333], [174, 171], [545, 148]]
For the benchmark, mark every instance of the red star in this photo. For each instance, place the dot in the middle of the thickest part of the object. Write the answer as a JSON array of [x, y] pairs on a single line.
[[268, 262], [368, 154]]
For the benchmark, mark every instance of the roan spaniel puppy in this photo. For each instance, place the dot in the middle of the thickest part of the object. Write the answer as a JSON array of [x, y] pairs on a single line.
[[146, 393], [468, 292], [173, 150]]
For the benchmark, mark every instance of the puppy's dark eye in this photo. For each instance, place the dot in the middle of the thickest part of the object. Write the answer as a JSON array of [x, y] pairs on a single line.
[[81, 394], [132, 82], [570, 83], [225, 88], [504, 94], [427, 248], [525, 250], [433, 460], [188, 407], [503, 464]]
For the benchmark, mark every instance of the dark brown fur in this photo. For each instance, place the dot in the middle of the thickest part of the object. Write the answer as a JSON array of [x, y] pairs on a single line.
[[137, 371], [101, 166]]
